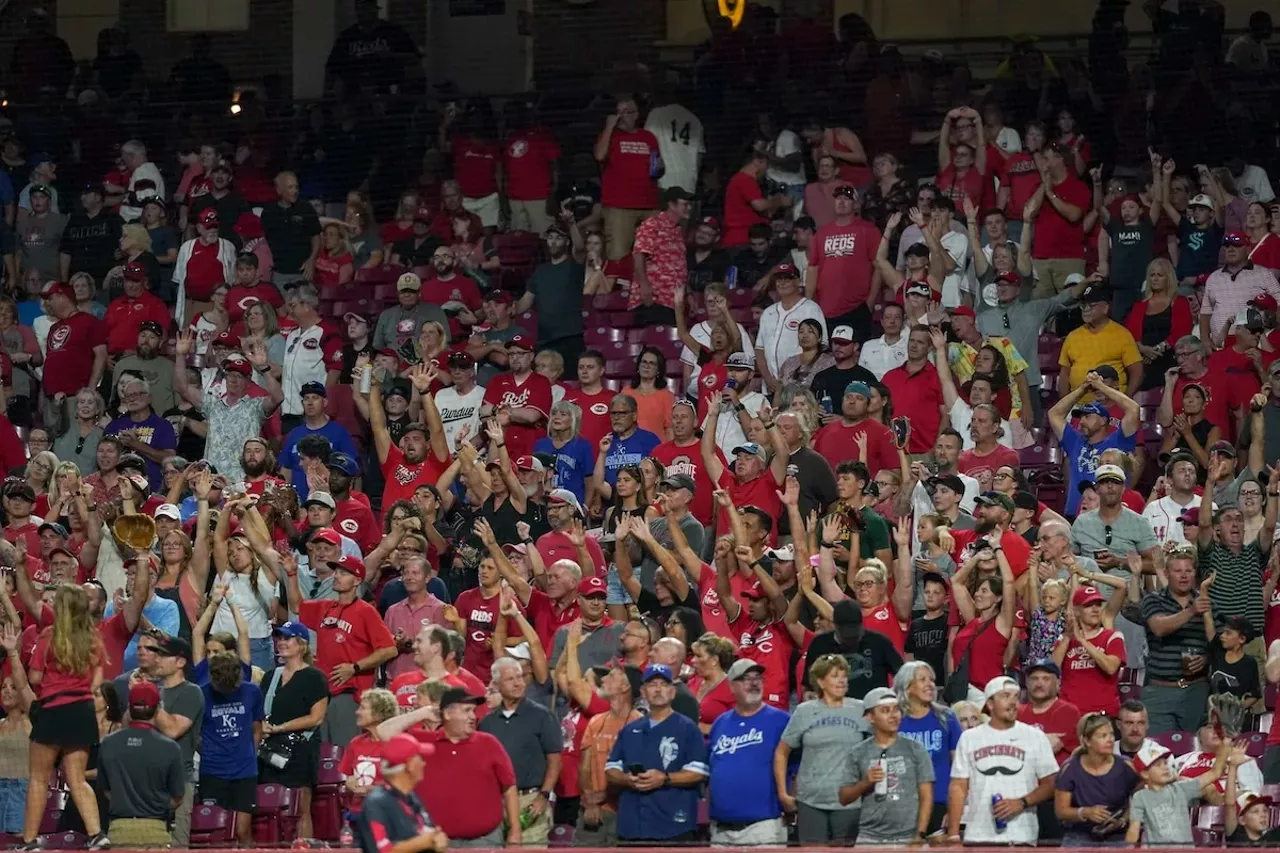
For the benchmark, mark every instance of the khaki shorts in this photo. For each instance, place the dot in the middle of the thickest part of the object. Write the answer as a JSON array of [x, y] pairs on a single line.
[[530, 215], [536, 833], [486, 208], [620, 224], [145, 833]]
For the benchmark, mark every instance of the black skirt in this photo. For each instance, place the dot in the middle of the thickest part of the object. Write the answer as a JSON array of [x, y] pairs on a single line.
[[302, 771], [72, 726]]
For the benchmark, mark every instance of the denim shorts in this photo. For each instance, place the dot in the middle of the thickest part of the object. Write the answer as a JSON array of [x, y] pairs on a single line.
[[615, 592], [13, 805], [262, 652]]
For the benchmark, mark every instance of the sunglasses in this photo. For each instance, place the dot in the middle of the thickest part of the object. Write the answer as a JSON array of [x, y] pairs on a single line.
[[1233, 240]]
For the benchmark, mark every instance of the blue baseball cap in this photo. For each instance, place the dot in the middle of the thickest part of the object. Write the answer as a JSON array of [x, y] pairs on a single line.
[[1091, 409], [1043, 665], [344, 463], [858, 388], [293, 629], [656, 670]]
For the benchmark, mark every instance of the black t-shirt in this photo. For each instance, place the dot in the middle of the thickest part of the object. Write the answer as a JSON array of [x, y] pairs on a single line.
[[92, 242], [1032, 535], [349, 356], [582, 198], [289, 231], [927, 641], [374, 57], [1240, 838], [751, 268], [834, 380], [190, 445], [293, 699], [557, 292], [414, 254], [710, 269], [1239, 678], [872, 660], [648, 605]]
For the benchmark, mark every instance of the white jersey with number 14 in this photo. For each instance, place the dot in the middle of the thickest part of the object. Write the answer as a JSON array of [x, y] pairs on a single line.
[[680, 142]]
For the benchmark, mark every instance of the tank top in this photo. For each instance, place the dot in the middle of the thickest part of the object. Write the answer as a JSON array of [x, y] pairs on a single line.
[[15, 750], [255, 608]]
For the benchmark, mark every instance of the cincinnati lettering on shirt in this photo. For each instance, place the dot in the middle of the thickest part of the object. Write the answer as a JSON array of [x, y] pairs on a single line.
[[629, 146]]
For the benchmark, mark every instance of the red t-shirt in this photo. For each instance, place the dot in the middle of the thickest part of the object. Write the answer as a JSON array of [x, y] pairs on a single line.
[[973, 185], [688, 460], [1018, 172], [769, 645], [714, 618], [115, 639], [835, 442], [204, 271], [1055, 237], [68, 361], [475, 166], [573, 725], [983, 468], [28, 533], [918, 397], [125, 315], [355, 520], [405, 686], [362, 759], [762, 493], [1061, 719], [460, 288], [59, 686], [987, 659], [478, 771], [627, 180], [1016, 549], [718, 700], [528, 160], [482, 616], [1086, 686], [739, 215], [710, 383], [401, 478], [556, 546], [533, 393], [844, 256], [547, 618], [884, 621], [595, 413], [329, 268], [240, 298], [345, 633]]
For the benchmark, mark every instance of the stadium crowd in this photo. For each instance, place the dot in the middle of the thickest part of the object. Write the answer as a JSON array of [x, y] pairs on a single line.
[[912, 479]]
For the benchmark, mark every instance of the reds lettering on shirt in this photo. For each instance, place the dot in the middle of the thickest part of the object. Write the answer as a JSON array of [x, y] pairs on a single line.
[[770, 646], [840, 245], [533, 393], [482, 616]]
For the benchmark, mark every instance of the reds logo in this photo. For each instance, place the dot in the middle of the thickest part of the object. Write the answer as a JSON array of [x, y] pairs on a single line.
[[59, 337], [709, 380], [311, 343], [512, 400], [349, 526], [137, 306], [599, 408], [793, 325], [519, 148], [839, 245], [244, 303]]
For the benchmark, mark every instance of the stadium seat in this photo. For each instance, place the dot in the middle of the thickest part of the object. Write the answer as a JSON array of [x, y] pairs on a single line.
[[326, 803], [614, 301], [1179, 743], [621, 349], [562, 835], [1208, 826], [1269, 694], [1272, 791], [1130, 691], [364, 305], [276, 816], [620, 368], [1049, 343], [385, 293], [64, 841], [1043, 455], [211, 826], [741, 298], [658, 334], [1255, 743], [378, 275], [529, 322], [620, 319], [55, 802], [596, 336], [1130, 676]]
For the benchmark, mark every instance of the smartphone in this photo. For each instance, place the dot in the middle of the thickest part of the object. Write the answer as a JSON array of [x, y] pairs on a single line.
[[635, 769], [793, 470]]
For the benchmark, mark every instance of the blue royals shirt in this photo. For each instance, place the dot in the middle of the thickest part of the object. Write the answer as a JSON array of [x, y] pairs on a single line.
[[628, 451], [227, 750], [672, 745], [742, 788], [939, 740], [1082, 459], [575, 462]]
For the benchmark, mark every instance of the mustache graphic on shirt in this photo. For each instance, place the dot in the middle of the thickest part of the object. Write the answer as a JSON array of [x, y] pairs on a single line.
[[999, 770]]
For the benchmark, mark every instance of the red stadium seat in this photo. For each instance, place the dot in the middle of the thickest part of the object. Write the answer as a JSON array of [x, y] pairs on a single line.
[[378, 275], [364, 305], [1209, 826], [620, 368], [55, 802], [212, 826], [529, 322], [1039, 456], [326, 803], [1049, 343], [622, 319], [517, 248], [1179, 743], [609, 301], [741, 298], [1255, 743], [1130, 691], [596, 336], [64, 841], [658, 334], [562, 835], [276, 816], [621, 349], [385, 293], [1269, 696]]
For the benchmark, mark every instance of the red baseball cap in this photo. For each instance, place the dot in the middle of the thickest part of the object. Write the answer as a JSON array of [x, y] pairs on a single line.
[[248, 226], [209, 217], [54, 288], [1264, 302], [399, 749], [755, 591], [423, 214], [237, 363], [593, 585], [134, 271], [963, 311], [520, 342], [228, 339], [328, 534], [1087, 595], [350, 563], [144, 694]]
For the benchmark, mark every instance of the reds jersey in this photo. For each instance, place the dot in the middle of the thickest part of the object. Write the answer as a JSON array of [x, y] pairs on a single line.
[[309, 354], [533, 393]]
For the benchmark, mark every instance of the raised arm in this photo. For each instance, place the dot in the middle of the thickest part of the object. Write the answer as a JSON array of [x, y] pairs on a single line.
[[903, 586]]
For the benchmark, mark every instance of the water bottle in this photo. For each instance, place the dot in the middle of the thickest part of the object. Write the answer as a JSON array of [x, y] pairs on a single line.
[[825, 402], [346, 838], [731, 277], [654, 160], [1001, 825], [526, 816], [882, 787]]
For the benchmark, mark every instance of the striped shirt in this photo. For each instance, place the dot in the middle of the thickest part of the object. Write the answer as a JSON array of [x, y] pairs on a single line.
[[1226, 295], [1237, 585], [1164, 654]]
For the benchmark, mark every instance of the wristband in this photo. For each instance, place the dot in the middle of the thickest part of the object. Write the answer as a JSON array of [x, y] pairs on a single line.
[[828, 544], [768, 425]]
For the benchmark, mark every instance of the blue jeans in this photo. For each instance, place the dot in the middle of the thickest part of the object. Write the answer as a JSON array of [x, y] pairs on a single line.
[[615, 592], [13, 805], [262, 653]]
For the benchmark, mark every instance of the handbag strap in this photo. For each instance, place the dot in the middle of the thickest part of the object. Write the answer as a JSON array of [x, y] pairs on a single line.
[[270, 698]]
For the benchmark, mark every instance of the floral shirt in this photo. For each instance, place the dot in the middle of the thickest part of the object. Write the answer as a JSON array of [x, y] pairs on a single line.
[[1043, 633], [961, 358], [230, 425], [661, 241]]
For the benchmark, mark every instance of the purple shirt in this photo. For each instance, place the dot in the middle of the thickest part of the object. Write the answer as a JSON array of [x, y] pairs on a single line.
[[1111, 790]]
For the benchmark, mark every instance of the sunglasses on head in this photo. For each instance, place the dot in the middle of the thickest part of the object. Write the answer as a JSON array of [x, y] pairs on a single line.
[[1233, 240]]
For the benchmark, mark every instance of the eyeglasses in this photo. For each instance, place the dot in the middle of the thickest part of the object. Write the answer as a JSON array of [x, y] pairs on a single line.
[[1005, 320], [863, 584], [619, 413], [1002, 476]]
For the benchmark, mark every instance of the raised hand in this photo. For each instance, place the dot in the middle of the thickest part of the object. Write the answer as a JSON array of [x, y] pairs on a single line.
[[493, 429], [860, 441], [186, 343], [917, 218], [722, 497], [790, 494], [577, 536], [831, 528], [937, 337], [9, 637], [970, 210], [606, 441], [902, 533], [892, 223], [744, 555], [203, 484], [523, 530], [484, 532]]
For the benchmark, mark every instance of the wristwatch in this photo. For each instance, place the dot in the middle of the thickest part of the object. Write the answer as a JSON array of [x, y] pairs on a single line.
[[356, 666], [666, 780], [1025, 804]]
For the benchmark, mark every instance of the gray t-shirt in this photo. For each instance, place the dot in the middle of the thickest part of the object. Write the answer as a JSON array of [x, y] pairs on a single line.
[[1228, 494], [693, 531], [1129, 532], [1164, 814], [185, 700], [824, 735], [143, 771], [891, 819]]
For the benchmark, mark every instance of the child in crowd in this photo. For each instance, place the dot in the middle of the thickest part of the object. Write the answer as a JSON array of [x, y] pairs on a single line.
[[1160, 813]]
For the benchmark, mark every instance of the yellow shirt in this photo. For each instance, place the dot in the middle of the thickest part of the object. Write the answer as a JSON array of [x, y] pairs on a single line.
[[1085, 350]]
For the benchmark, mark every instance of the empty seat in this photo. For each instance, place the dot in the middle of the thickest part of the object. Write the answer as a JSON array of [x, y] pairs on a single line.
[[621, 349], [276, 816], [562, 835], [659, 334], [378, 275], [211, 826], [615, 301], [385, 293], [1208, 826], [64, 841], [1255, 743], [597, 335], [1043, 455], [1130, 691], [620, 368], [1179, 743]]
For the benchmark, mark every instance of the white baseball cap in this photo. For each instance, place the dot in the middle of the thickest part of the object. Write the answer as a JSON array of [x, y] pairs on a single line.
[[1000, 684], [842, 333], [1150, 753]]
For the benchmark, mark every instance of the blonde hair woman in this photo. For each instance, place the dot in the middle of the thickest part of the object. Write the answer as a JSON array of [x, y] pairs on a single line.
[[968, 714], [361, 762], [39, 474], [135, 245], [1158, 320], [260, 321], [432, 340], [335, 264], [65, 487]]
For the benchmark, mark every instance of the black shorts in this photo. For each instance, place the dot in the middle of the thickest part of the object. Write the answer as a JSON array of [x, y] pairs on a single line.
[[237, 795], [71, 726]]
